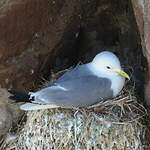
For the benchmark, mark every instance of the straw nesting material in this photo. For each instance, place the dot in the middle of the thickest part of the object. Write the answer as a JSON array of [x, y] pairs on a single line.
[[116, 124]]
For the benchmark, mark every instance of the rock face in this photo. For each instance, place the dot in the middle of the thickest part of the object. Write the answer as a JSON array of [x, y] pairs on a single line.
[[32, 33], [142, 14], [37, 35], [9, 113]]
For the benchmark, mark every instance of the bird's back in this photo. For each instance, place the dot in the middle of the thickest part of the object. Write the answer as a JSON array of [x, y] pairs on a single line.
[[76, 88]]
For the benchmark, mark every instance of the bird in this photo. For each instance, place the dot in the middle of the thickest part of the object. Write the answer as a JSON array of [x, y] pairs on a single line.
[[85, 85]]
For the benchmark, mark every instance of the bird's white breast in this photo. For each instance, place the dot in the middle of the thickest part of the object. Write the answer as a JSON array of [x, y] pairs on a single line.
[[117, 84]]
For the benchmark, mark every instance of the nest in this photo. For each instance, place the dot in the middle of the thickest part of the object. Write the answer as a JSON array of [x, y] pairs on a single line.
[[115, 124]]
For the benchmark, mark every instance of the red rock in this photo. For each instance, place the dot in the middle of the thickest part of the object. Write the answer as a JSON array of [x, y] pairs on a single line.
[[9, 113], [47, 27], [142, 14]]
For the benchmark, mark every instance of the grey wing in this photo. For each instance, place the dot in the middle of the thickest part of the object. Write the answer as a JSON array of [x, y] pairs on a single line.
[[77, 92], [79, 71]]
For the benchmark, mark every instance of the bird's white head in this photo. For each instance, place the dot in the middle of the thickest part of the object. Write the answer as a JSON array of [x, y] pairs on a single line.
[[107, 63]]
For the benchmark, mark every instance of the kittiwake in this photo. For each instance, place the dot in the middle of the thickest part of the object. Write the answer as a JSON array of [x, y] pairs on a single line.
[[85, 85]]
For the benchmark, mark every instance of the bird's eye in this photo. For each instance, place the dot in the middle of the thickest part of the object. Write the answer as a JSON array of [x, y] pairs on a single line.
[[107, 67]]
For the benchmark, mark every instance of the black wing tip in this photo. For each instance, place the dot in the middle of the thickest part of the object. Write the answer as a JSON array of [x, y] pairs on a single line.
[[12, 97], [18, 96], [11, 91]]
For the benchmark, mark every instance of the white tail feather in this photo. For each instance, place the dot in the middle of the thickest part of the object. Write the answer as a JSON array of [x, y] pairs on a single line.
[[30, 106]]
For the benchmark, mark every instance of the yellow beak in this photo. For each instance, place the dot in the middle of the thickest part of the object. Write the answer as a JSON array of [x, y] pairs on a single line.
[[123, 74]]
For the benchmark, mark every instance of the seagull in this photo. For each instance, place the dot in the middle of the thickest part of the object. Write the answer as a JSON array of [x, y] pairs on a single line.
[[85, 85]]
